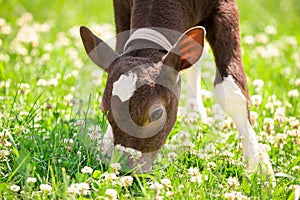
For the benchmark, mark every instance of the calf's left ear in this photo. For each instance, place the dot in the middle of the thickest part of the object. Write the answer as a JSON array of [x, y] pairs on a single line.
[[187, 50], [98, 51]]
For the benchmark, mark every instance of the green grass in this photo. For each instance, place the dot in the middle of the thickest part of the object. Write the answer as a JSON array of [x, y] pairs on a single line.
[[41, 136]]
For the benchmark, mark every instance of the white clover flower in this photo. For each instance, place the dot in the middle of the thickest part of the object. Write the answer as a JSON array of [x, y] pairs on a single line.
[[115, 166], [262, 38], [293, 93], [172, 156], [79, 188], [94, 132], [62, 40], [256, 100], [120, 148], [5, 29], [271, 30], [156, 186], [110, 176], [31, 180], [269, 125], [292, 133], [68, 98], [42, 82], [27, 59], [25, 19], [211, 165], [73, 32], [228, 124], [229, 195], [181, 112], [279, 114], [27, 35], [170, 147], [196, 179], [48, 47], [169, 194], [45, 188], [291, 40], [210, 147], [253, 116], [14, 188], [192, 104], [249, 39], [193, 171], [111, 194], [206, 94], [296, 168], [4, 57], [53, 82], [268, 52], [193, 117], [269, 122], [134, 154], [235, 196], [269, 106], [258, 84], [24, 88], [5, 84], [4, 154], [294, 122], [281, 138], [127, 180], [80, 122], [44, 59], [86, 170], [166, 183], [267, 147], [233, 182]]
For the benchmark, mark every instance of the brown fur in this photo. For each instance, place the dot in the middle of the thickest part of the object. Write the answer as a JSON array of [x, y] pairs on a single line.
[[221, 20]]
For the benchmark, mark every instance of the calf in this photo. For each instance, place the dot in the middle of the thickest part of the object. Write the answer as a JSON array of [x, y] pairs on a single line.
[[142, 89]]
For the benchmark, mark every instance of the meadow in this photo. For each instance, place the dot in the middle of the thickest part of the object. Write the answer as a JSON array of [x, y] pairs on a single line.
[[51, 126]]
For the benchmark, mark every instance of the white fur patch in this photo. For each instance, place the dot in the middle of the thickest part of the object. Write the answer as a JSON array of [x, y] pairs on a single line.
[[234, 103], [125, 86]]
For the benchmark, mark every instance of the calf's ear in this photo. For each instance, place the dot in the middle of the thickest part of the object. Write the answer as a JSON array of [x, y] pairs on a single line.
[[98, 51], [187, 50]]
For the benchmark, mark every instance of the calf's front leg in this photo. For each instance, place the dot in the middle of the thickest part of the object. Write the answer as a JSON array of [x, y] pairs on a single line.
[[230, 83]]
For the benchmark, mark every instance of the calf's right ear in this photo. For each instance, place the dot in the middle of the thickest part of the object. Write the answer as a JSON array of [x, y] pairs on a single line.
[[187, 50], [98, 51]]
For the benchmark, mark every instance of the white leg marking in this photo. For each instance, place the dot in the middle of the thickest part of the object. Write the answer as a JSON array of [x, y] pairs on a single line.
[[194, 92], [107, 142], [234, 103]]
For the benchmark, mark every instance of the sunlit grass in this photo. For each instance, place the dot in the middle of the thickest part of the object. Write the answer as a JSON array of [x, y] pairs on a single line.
[[47, 150]]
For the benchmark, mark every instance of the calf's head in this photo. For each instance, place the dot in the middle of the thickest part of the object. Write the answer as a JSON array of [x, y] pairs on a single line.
[[142, 89]]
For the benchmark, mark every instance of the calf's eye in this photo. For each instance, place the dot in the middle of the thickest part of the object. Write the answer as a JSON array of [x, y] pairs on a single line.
[[156, 114]]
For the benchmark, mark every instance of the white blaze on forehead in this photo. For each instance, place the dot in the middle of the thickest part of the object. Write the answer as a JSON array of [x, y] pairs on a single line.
[[125, 86]]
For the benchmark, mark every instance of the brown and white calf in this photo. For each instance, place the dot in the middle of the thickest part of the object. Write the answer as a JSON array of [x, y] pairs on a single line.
[[142, 89]]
